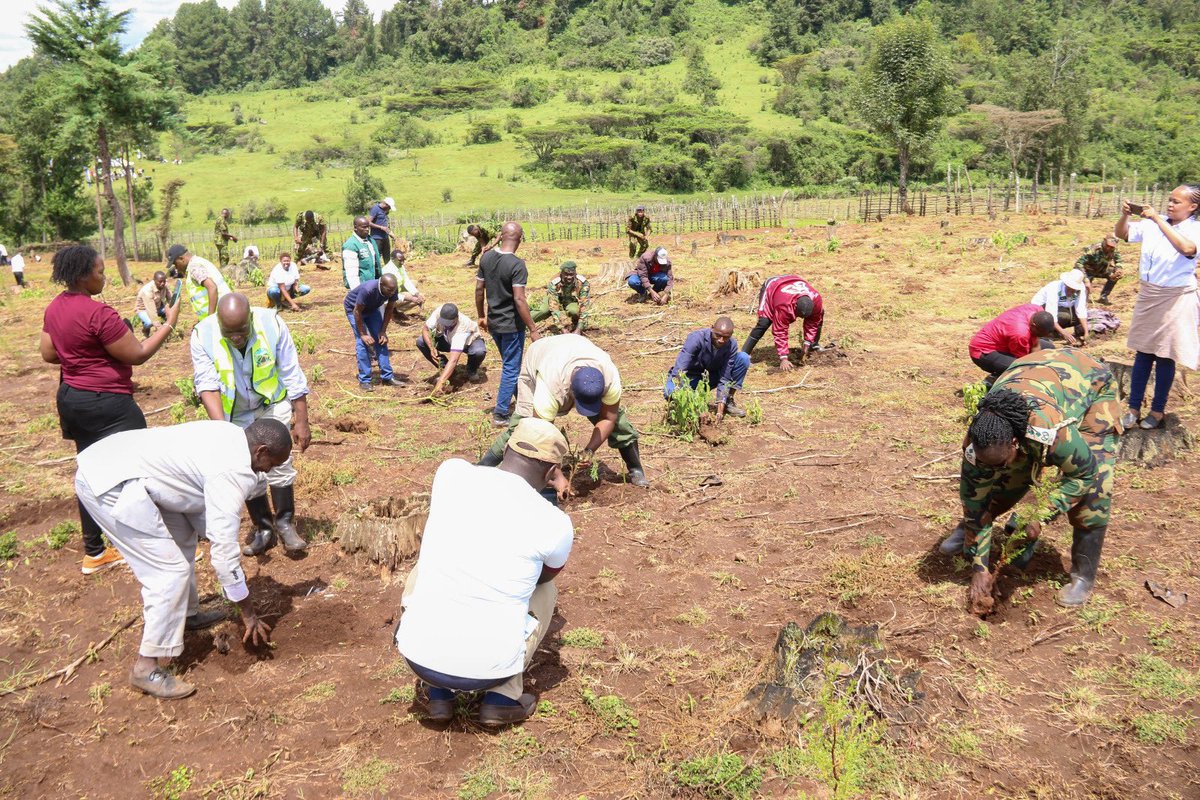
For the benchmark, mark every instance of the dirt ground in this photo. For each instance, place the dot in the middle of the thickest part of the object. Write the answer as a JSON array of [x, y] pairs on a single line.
[[835, 501]]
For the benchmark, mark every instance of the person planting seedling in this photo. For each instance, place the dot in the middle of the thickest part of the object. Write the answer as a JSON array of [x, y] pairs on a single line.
[[1050, 408]]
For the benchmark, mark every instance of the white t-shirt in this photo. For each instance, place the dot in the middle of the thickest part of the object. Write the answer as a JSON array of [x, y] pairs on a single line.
[[285, 275], [488, 536], [1053, 296], [250, 252], [405, 283], [18, 263], [460, 336], [1161, 263]]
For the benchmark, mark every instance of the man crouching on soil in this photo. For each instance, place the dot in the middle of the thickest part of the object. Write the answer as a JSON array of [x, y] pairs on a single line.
[[1050, 408], [154, 491], [480, 598]]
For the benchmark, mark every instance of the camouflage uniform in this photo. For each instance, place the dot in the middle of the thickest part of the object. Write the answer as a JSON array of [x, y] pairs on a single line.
[[638, 246], [221, 239], [309, 234], [481, 241], [1073, 425], [1095, 263], [566, 305]]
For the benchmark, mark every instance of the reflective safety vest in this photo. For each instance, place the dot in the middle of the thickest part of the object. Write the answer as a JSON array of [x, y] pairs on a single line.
[[198, 292], [264, 375]]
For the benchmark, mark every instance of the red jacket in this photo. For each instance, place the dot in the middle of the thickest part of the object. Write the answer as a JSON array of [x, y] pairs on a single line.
[[1007, 333], [779, 305], [647, 265]]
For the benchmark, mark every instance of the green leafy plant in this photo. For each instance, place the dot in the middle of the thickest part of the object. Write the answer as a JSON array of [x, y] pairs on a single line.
[[724, 776], [174, 785], [255, 277], [584, 638], [614, 713], [60, 534], [9, 546], [179, 413], [754, 412], [973, 393], [187, 390], [841, 742], [685, 409]]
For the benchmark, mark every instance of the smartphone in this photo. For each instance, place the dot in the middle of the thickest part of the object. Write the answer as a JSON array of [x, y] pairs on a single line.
[[1136, 208], [175, 294]]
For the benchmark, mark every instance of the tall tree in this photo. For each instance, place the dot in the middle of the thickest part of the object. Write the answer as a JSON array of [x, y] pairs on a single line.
[[201, 34], [905, 89], [402, 21], [303, 33], [248, 35], [100, 87]]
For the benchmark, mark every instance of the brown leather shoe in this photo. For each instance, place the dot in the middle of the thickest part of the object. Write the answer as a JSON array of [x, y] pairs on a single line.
[[493, 715], [163, 685]]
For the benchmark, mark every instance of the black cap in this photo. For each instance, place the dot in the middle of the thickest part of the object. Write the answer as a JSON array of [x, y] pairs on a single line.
[[175, 251]]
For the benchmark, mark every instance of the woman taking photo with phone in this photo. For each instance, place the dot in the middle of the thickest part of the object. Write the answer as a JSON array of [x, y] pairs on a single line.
[[1165, 315], [96, 352]]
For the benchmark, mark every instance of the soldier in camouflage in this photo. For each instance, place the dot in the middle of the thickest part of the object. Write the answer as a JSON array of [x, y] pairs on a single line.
[[567, 300], [483, 238], [222, 237], [638, 231], [1102, 261], [1050, 408], [309, 228]]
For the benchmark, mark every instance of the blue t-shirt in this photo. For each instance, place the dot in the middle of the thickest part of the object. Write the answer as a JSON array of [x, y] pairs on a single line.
[[379, 217], [366, 293]]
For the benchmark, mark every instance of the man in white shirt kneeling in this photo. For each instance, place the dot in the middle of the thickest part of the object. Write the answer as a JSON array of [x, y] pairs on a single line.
[[480, 599], [154, 491], [284, 286]]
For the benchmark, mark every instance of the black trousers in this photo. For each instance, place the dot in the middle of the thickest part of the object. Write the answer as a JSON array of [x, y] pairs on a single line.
[[86, 418], [762, 326], [995, 363]]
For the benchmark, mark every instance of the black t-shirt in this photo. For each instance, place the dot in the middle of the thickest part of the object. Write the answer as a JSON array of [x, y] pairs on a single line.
[[500, 272]]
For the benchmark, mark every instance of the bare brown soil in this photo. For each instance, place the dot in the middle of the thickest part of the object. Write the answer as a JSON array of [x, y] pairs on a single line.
[[836, 501]]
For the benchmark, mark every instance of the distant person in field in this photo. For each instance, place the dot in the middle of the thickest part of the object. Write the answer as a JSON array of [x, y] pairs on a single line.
[[1066, 301], [1015, 333], [567, 300], [781, 301], [245, 367], [1163, 331], [250, 253], [712, 355], [1053, 408], [410, 296], [309, 228], [479, 601], [150, 305], [361, 259], [368, 309], [448, 330], [570, 372], [1102, 262], [222, 237], [381, 225], [638, 231], [18, 268], [483, 242], [652, 276], [283, 285], [503, 311], [155, 492], [203, 282]]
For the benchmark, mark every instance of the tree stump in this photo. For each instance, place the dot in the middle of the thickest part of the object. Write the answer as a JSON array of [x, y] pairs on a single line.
[[734, 281], [386, 531], [613, 272], [1156, 447]]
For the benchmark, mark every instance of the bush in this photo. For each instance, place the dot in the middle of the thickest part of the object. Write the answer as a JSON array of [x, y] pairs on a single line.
[[404, 132], [271, 210], [60, 534], [654, 50], [529, 92], [483, 133], [362, 190], [512, 123], [670, 172], [9, 546]]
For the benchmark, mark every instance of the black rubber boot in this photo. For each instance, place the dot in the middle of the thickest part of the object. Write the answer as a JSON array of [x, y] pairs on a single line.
[[1085, 559], [263, 538], [488, 460], [284, 500], [732, 409], [633, 465]]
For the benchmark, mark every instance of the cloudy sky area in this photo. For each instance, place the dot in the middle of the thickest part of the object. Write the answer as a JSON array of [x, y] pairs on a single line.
[[146, 14]]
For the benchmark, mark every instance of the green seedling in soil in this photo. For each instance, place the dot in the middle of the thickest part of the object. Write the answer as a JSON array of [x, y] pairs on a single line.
[[60, 534], [97, 692], [481, 434], [179, 413], [174, 785], [187, 390], [319, 692], [368, 779], [342, 477], [983, 631], [724, 775], [1158, 728], [695, 616], [403, 694], [613, 712], [316, 373], [972, 393], [546, 709], [754, 412], [9, 546], [685, 410], [583, 638], [254, 277]]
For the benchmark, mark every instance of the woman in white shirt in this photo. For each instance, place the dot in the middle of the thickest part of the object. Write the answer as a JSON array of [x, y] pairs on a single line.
[[1165, 316]]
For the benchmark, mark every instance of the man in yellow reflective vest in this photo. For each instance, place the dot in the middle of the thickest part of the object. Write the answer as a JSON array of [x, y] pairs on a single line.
[[246, 367], [204, 283]]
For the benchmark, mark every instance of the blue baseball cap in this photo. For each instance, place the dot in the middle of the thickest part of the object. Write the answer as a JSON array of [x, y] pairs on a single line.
[[587, 387]]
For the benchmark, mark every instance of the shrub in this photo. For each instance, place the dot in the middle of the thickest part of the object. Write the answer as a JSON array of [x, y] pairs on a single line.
[[362, 190], [724, 775], [60, 534], [9, 546], [404, 131], [483, 133], [529, 92], [654, 50]]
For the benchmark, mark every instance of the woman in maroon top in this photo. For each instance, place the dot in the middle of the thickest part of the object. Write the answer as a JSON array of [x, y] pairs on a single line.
[[96, 352]]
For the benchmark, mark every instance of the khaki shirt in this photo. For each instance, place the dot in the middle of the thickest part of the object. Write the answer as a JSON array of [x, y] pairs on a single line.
[[549, 363]]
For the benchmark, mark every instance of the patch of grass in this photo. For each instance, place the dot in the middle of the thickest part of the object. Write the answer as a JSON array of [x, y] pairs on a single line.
[[342, 477], [61, 533], [368, 778], [695, 616], [583, 638], [1158, 728], [1099, 612], [97, 692], [46, 422], [1155, 678], [10, 546], [477, 785], [403, 694], [613, 712], [319, 692], [983, 631], [724, 776], [174, 785], [963, 742], [500, 770]]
